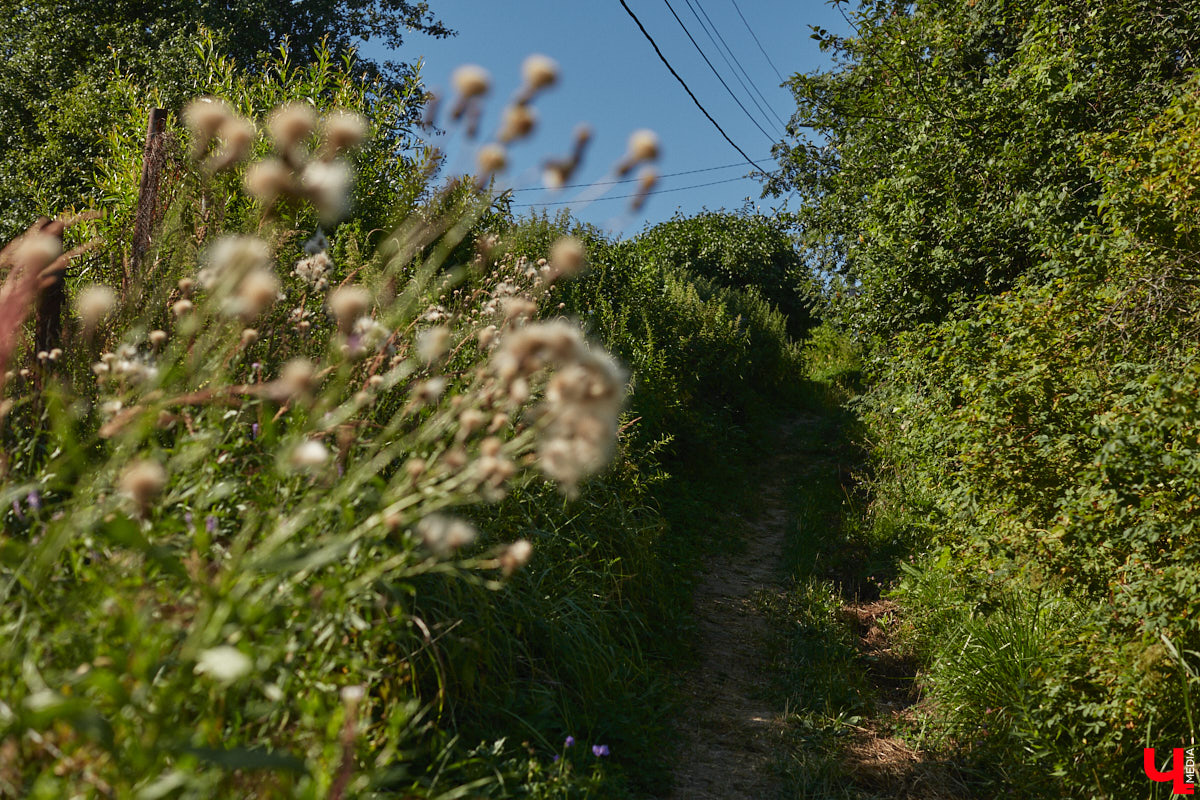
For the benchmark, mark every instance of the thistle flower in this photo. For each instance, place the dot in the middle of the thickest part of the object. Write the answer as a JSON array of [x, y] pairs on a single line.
[[256, 292], [432, 343], [643, 146], [269, 179], [348, 303], [567, 257], [343, 130], [313, 269], [443, 535], [297, 377], [309, 454], [204, 117], [93, 304], [470, 80], [157, 338], [328, 186], [236, 135], [289, 124], [249, 337], [491, 159], [231, 258], [429, 391], [517, 123], [539, 71], [224, 664], [515, 556], [142, 481], [182, 307]]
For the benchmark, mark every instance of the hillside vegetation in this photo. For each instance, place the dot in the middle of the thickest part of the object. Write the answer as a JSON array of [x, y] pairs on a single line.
[[1004, 204]]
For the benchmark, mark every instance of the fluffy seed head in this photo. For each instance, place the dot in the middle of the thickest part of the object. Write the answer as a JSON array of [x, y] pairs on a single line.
[[443, 535], [516, 555], [296, 377], [344, 130], [327, 184], [203, 118], [309, 454], [289, 124], [539, 71], [224, 664], [567, 256], [471, 80], [491, 158], [257, 291], [231, 258], [643, 145], [348, 303], [158, 338], [432, 343], [517, 123], [94, 304], [142, 481], [182, 307], [268, 179]]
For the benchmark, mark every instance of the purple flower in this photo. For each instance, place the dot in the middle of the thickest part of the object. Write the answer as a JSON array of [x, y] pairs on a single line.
[[187, 518], [33, 500], [600, 750], [17, 510], [210, 524], [570, 742], [254, 430], [556, 758]]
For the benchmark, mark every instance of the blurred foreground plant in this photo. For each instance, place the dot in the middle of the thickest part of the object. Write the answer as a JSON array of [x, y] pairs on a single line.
[[220, 494]]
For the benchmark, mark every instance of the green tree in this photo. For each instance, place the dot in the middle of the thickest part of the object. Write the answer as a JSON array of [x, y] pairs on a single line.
[[59, 61], [945, 161]]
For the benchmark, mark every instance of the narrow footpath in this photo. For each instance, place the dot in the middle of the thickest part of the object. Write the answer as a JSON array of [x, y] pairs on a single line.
[[733, 731], [729, 732]]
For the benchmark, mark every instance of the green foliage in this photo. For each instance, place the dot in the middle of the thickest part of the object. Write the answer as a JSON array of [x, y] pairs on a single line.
[[947, 163], [736, 251], [60, 64]]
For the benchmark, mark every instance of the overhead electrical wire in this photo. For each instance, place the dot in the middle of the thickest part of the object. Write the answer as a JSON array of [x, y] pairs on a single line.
[[715, 36], [756, 41], [683, 83], [635, 194], [629, 180], [703, 55]]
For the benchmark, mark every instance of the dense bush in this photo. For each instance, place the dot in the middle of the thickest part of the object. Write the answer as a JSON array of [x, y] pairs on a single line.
[[1006, 207]]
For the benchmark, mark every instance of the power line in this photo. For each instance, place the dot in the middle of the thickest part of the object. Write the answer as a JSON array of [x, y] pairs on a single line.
[[700, 50], [629, 180], [635, 194], [682, 83], [736, 64], [756, 41]]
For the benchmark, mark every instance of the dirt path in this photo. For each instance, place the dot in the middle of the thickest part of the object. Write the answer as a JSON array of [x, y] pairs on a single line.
[[729, 732]]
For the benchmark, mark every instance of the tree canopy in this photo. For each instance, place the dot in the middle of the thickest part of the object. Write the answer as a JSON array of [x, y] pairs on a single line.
[[58, 62]]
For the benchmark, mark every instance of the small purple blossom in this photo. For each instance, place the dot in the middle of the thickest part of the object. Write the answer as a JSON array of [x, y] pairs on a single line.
[[17, 510], [600, 750], [187, 518], [34, 500], [210, 524], [570, 742], [254, 430], [556, 758]]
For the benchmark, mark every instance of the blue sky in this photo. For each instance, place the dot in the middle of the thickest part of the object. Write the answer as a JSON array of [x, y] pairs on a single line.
[[612, 80]]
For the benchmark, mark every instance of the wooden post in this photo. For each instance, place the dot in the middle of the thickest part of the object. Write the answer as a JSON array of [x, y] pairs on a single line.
[[153, 156]]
